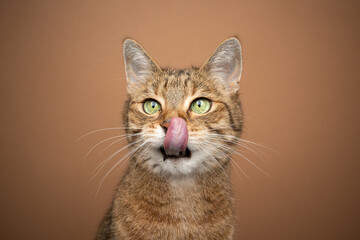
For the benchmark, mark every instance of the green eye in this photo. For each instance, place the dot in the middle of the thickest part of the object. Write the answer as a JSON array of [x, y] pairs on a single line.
[[151, 106], [201, 105]]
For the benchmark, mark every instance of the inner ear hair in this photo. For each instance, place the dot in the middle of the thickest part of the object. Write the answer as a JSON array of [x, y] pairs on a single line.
[[225, 65], [138, 64]]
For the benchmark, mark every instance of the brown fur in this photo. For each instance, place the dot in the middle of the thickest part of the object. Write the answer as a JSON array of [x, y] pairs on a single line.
[[153, 204]]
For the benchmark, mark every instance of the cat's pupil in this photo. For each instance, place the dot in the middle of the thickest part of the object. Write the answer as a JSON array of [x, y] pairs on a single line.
[[199, 103], [153, 104]]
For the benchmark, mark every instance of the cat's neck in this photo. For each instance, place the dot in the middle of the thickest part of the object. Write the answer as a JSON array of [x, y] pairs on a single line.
[[196, 204], [212, 181]]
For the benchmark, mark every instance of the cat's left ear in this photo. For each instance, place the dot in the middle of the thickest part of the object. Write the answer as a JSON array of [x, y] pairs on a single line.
[[138, 64], [225, 64]]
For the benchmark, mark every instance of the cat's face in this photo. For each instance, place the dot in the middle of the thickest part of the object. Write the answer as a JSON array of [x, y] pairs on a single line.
[[182, 122]]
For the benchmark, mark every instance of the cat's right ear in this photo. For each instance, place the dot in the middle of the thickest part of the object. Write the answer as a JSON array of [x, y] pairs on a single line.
[[138, 64], [225, 64]]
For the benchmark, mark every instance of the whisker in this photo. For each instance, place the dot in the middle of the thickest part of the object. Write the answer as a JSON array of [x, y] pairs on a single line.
[[132, 135], [242, 144], [102, 164], [247, 141], [128, 155], [256, 166], [218, 162], [143, 151], [105, 129], [88, 153], [231, 161], [149, 170], [252, 150], [260, 145]]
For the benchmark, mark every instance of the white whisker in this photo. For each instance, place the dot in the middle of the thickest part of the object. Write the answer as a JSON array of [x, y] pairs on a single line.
[[102, 164], [128, 155], [217, 162], [105, 129], [231, 160], [241, 144], [256, 166], [131, 135], [247, 141], [88, 153]]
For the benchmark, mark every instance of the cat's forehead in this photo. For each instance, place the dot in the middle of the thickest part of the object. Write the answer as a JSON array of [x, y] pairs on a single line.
[[176, 88], [176, 85], [176, 78]]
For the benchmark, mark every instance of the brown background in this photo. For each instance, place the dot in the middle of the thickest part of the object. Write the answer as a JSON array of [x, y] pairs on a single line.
[[62, 76]]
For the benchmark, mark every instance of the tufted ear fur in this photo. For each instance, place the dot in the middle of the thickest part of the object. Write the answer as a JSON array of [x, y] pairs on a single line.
[[225, 64], [138, 65]]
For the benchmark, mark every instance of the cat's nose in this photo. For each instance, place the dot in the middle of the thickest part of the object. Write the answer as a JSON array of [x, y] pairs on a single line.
[[165, 125]]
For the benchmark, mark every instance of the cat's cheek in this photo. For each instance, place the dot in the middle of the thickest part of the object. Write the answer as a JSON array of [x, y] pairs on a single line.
[[156, 139]]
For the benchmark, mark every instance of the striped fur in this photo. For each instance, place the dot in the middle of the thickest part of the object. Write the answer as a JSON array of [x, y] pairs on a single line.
[[186, 198]]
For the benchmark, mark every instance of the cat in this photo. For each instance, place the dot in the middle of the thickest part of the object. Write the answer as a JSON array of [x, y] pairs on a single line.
[[181, 126]]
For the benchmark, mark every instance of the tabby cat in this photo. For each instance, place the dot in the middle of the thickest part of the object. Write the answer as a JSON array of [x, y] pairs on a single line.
[[181, 126]]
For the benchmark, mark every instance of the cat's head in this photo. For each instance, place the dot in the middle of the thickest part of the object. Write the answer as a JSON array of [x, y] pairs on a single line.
[[182, 122]]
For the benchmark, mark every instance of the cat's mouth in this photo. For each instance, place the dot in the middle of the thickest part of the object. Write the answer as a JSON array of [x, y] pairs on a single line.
[[186, 154]]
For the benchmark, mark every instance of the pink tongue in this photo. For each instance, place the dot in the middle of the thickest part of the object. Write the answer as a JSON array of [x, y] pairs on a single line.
[[176, 136]]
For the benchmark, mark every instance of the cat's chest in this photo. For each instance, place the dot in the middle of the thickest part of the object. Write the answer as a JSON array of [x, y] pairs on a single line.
[[186, 201], [180, 210]]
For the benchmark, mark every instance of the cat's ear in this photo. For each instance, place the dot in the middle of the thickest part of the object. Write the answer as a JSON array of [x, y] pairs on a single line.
[[138, 64], [225, 64]]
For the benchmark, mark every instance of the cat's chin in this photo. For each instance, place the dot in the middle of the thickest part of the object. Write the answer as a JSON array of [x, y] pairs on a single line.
[[182, 155], [186, 164]]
